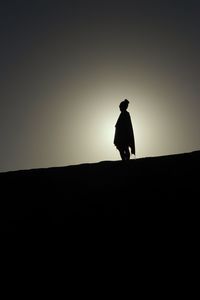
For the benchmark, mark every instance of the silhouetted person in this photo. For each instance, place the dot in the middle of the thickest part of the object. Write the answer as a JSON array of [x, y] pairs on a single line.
[[124, 136]]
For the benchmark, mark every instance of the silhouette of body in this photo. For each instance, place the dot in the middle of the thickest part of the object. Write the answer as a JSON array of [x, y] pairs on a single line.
[[124, 136]]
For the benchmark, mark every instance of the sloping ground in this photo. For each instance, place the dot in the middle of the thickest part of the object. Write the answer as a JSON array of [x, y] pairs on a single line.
[[146, 188]]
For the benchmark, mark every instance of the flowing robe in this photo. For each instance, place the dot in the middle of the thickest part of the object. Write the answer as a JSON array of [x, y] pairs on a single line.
[[124, 136]]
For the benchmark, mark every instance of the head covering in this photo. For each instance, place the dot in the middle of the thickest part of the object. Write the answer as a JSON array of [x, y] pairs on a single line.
[[124, 104], [126, 101]]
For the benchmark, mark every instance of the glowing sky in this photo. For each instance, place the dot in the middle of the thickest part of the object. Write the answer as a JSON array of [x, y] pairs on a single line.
[[66, 65]]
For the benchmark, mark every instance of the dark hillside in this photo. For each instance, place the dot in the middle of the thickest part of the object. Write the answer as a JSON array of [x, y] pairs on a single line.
[[144, 188]]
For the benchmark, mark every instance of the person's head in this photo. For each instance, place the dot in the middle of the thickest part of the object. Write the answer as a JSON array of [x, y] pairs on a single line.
[[124, 105]]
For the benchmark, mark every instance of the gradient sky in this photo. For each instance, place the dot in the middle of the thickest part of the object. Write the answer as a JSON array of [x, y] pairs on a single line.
[[66, 65]]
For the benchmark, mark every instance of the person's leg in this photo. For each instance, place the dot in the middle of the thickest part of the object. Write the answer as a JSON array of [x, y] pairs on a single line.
[[122, 154], [127, 153]]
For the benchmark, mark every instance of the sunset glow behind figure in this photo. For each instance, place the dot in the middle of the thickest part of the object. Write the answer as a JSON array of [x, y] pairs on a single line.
[[66, 66]]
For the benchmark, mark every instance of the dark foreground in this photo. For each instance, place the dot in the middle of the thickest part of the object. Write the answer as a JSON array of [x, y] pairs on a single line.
[[157, 188]]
